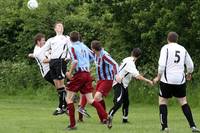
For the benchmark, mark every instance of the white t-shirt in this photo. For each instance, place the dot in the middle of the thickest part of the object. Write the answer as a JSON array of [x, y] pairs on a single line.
[[40, 55], [59, 46], [172, 59], [127, 71]]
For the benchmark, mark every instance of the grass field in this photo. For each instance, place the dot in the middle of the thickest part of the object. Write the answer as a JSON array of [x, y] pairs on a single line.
[[18, 115]]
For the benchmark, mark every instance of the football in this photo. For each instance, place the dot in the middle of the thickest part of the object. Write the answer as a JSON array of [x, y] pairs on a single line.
[[32, 4]]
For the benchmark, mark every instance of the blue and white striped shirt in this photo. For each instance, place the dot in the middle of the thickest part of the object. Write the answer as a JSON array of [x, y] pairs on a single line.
[[80, 52], [106, 67]]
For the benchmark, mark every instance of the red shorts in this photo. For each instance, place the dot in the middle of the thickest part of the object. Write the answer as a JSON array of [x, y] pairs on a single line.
[[81, 81], [104, 86]]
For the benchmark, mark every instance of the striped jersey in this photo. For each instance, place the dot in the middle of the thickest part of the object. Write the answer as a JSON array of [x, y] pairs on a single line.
[[106, 67], [80, 52], [172, 59], [39, 56], [58, 45], [127, 71]]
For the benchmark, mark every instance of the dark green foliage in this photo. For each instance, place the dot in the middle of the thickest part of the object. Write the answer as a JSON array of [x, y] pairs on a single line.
[[119, 24]]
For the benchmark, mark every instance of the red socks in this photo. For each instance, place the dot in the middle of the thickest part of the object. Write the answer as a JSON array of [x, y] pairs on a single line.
[[102, 102], [71, 114], [83, 101], [100, 110]]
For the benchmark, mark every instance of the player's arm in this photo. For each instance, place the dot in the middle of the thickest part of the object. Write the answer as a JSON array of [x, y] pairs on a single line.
[[47, 46], [189, 65], [111, 62], [161, 64], [73, 63], [31, 55], [140, 77]]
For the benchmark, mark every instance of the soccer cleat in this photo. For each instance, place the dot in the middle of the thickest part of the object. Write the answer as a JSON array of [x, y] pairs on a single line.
[[166, 130], [59, 111], [83, 112], [71, 128], [195, 130], [109, 122], [125, 121]]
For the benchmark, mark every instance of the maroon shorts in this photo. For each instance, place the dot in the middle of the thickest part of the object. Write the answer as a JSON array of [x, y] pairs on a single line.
[[81, 81], [104, 86]]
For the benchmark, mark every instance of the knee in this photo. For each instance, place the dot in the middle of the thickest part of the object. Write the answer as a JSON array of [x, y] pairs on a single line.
[[182, 101], [98, 97], [162, 101]]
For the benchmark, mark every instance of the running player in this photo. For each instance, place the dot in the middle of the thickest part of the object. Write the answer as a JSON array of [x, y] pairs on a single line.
[[106, 69], [127, 72], [81, 80], [171, 74]]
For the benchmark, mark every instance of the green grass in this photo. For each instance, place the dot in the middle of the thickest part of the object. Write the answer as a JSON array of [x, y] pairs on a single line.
[[18, 115]]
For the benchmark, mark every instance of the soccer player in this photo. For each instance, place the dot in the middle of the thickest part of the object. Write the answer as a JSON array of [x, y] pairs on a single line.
[[127, 71], [81, 80], [41, 57], [171, 74], [58, 46], [106, 69]]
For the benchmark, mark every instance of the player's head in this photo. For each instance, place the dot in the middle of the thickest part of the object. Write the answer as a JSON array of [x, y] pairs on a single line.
[[80, 38], [96, 46], [58, 27], [39, 39], [74, 36], [172, 37], [136, 52]]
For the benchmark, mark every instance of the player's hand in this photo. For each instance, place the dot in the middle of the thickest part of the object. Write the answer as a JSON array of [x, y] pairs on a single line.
[[68, 75], [155, 80], [30, 55], [46, 61], [118, 78], [150, 82], [189, 76]]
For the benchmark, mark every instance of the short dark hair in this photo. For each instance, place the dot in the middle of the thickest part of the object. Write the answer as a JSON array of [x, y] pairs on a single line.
[[58, 22], [38, 37], [74, 36], [136, 52], [172, 37], [96, 45]]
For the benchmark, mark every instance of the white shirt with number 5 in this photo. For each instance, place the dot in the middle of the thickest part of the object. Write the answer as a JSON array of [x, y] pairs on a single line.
[[172, 61]]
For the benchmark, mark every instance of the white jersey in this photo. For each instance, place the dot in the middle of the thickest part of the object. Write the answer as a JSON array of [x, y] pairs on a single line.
[[127, 71], [59, 46], [40, 55], [172, 59]]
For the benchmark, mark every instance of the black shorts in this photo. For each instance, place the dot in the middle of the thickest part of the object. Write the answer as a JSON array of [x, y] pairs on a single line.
[[48, 78], [169, 90], [120, 94], [58, 68]]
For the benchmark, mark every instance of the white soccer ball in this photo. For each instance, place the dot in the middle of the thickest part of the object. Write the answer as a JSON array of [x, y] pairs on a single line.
[[32, 4]]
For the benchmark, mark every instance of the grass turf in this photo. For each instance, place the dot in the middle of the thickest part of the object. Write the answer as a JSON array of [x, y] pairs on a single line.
[[18, 115]]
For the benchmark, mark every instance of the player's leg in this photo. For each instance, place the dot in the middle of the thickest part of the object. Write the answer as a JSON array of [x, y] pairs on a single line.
[[163, 112], [180, 93], [125, 107], [100, 110], [87, 90], [61, 93], [102, 89], [71, 109], [118, 100], [164, 94], [55, 70], [81, 107]]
